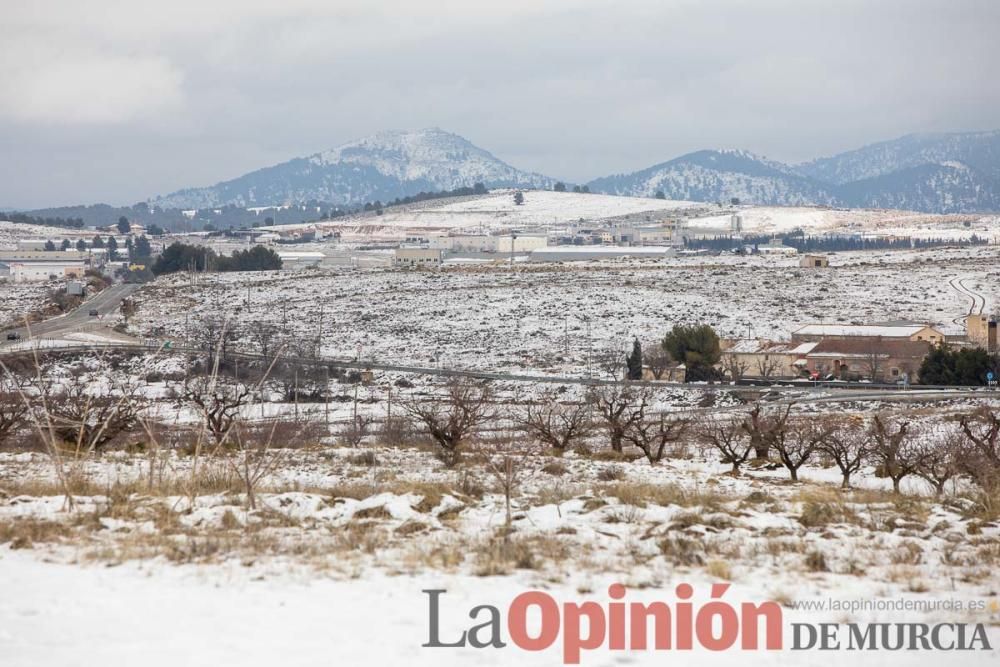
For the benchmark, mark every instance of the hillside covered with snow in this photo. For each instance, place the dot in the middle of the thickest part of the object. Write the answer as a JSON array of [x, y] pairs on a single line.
[[936, 173], [381, 167], [932, 173]]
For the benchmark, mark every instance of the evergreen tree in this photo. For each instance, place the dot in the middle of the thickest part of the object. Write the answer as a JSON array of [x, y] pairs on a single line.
[[50, 246], [65, 244], [559, 187], [98, 242], [634, 361], [81, 245], [518, 198], [112, 247], [660, 194], [123, 226], [697, 347], [967, 366]]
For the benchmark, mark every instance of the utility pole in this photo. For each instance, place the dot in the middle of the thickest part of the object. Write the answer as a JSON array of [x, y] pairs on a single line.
[[355, 404], [589, 350], [319, 338], [326, 396]]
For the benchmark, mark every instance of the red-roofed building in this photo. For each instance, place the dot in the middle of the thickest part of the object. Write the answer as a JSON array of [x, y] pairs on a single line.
[[864, 358]]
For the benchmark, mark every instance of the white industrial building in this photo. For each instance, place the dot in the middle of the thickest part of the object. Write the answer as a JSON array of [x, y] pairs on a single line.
[[776, 247], [34, 272], [21, 255], [300, 260], [417, 257], [476, 243]]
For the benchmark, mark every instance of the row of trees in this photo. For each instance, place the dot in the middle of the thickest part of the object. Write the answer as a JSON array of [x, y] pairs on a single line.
[[579, 189], [138, 248], [185, 257], [895, 445], [86, 406]]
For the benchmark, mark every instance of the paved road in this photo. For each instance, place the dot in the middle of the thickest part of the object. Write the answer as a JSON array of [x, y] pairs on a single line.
[[802, 392], [105, 302]]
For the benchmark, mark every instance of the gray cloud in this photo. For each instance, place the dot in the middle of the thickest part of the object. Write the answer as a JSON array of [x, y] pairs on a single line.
[[111, 101]]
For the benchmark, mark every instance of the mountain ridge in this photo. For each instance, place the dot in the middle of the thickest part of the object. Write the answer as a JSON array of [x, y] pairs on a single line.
[[957, 172], [382, 166], [954, 172]]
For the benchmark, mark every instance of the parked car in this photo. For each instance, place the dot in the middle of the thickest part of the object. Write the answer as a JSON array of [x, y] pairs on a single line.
[[93, 312], [13, 335]]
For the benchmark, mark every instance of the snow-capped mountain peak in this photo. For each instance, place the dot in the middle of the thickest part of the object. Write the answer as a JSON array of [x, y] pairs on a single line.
[[382, 166]]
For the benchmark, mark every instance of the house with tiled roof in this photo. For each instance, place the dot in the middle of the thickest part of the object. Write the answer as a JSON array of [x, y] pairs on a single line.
[[867, 358]]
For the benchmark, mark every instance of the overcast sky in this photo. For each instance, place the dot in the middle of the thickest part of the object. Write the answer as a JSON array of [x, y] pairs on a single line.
[[119, 101]]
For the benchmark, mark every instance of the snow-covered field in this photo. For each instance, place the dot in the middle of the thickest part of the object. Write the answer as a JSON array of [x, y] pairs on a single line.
[[19, 300], [331, 566], [556, 211], [551, 317], [496, 211], [329, 561]]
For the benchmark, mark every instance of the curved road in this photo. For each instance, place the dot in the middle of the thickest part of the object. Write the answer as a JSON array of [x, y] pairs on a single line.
[[977, 301], [105, 302]]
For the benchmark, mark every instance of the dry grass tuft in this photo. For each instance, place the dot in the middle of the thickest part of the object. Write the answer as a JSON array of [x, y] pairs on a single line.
[[815, 561], [719, 569], [642, 495], [680, 550]]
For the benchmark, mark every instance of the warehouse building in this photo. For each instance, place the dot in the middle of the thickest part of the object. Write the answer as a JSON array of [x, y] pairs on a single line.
[[412, 257]]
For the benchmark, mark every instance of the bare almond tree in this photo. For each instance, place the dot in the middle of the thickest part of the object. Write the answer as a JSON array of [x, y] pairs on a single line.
[[982, 432], [798, 440], [941, 457], [734, 366], [657, 360], [90, 408], [894, 448], [651, 433], [728, 437], [767, 366], [557, 425], [265, 337], [506, 460], [13, 411], [763, 427], [873, 359], [218, 401], [612, 361], [613, 402], [452, 421], [847, 445], [355, 431], [980, 455]]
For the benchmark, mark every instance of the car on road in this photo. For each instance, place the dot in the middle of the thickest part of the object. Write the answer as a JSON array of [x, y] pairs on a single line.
[[13, 335], [93, 312]]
